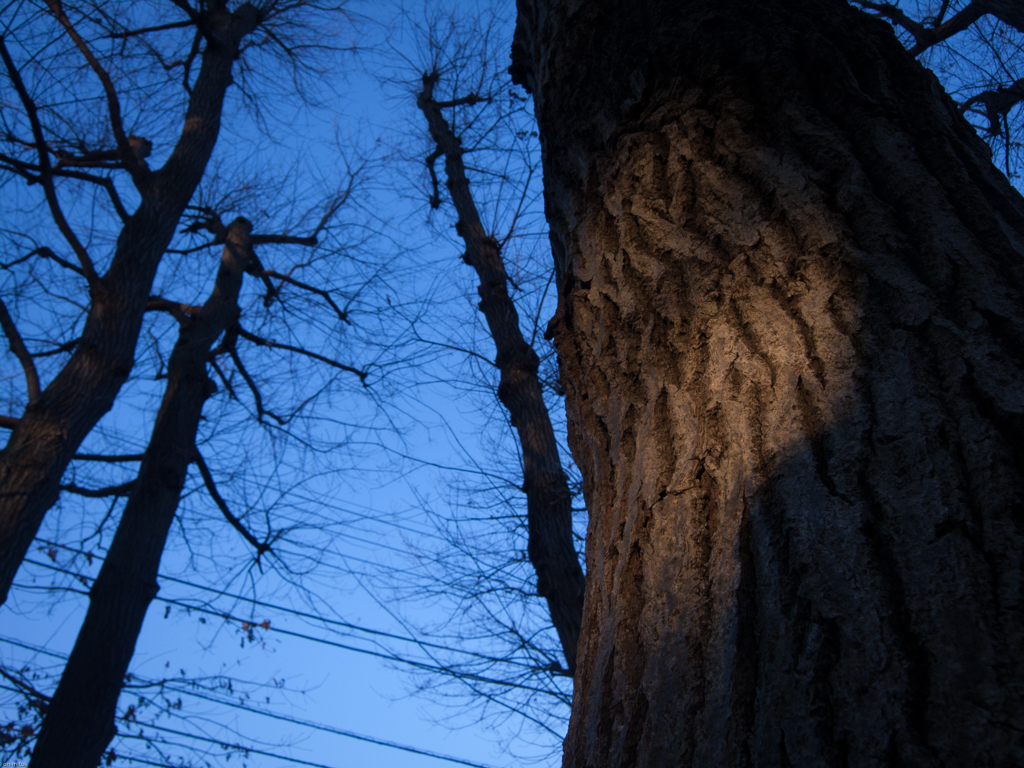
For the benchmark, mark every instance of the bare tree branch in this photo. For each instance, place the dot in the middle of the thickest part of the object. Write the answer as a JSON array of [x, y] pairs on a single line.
[[46, 176], [20, 352], [98, 493], [325, 295], [33, 174], [114, 458], [229, 347], [469, 101], [129, 155], [146, 30], [300, 351], [222, 505]]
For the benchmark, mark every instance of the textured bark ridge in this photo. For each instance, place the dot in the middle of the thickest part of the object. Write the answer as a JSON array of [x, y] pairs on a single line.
[[79, 722], [548, 498], [792, 336], [51, 429]]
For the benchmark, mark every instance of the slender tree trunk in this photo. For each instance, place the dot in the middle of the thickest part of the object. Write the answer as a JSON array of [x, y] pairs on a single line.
[[79, 722], [548, 498], [51, 429], [791, 330]]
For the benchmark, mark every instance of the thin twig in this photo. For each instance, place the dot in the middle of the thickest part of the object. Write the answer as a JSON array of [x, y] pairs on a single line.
[[46, 174], [260, 341]]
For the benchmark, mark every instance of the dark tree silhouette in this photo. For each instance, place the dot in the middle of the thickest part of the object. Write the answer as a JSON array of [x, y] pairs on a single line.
[[548, 497], [57, 419]]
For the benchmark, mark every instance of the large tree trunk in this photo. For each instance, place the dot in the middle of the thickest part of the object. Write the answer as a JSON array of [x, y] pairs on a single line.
[[79, 722], [791, 331], [51, 429], [548, 498]]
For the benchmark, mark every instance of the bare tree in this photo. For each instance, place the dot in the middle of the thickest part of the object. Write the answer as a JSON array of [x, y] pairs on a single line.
[[79, 721], [60, 415], [477, 567], [790, 333], [549, 499]]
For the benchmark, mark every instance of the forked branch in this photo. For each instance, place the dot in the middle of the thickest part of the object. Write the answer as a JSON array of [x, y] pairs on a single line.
[[926, 35]]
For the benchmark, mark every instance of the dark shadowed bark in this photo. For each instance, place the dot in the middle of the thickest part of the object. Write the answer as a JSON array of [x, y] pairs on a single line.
[[52, 427], [791, 331], [79, 722], [548, 498]]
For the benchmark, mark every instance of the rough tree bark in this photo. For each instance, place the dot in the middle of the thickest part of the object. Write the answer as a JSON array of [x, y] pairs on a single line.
[[548, 498], [53, 426], [79, 721], [790, 331]]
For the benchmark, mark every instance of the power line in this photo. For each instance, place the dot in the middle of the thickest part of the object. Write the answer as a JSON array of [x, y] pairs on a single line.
[[272, 715], [298, 761], [320, 640], [312, 616], [224, 744], [143, 761], [34, 648]]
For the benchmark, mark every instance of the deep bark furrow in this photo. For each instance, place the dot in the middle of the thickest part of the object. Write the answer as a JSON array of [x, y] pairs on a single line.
[[51, 429], [548, 498], [79, 722], [773, 221]]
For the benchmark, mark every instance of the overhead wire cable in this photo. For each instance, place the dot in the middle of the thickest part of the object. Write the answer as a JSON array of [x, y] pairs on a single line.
[[304, 614], [323, 641], [283, 718]]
